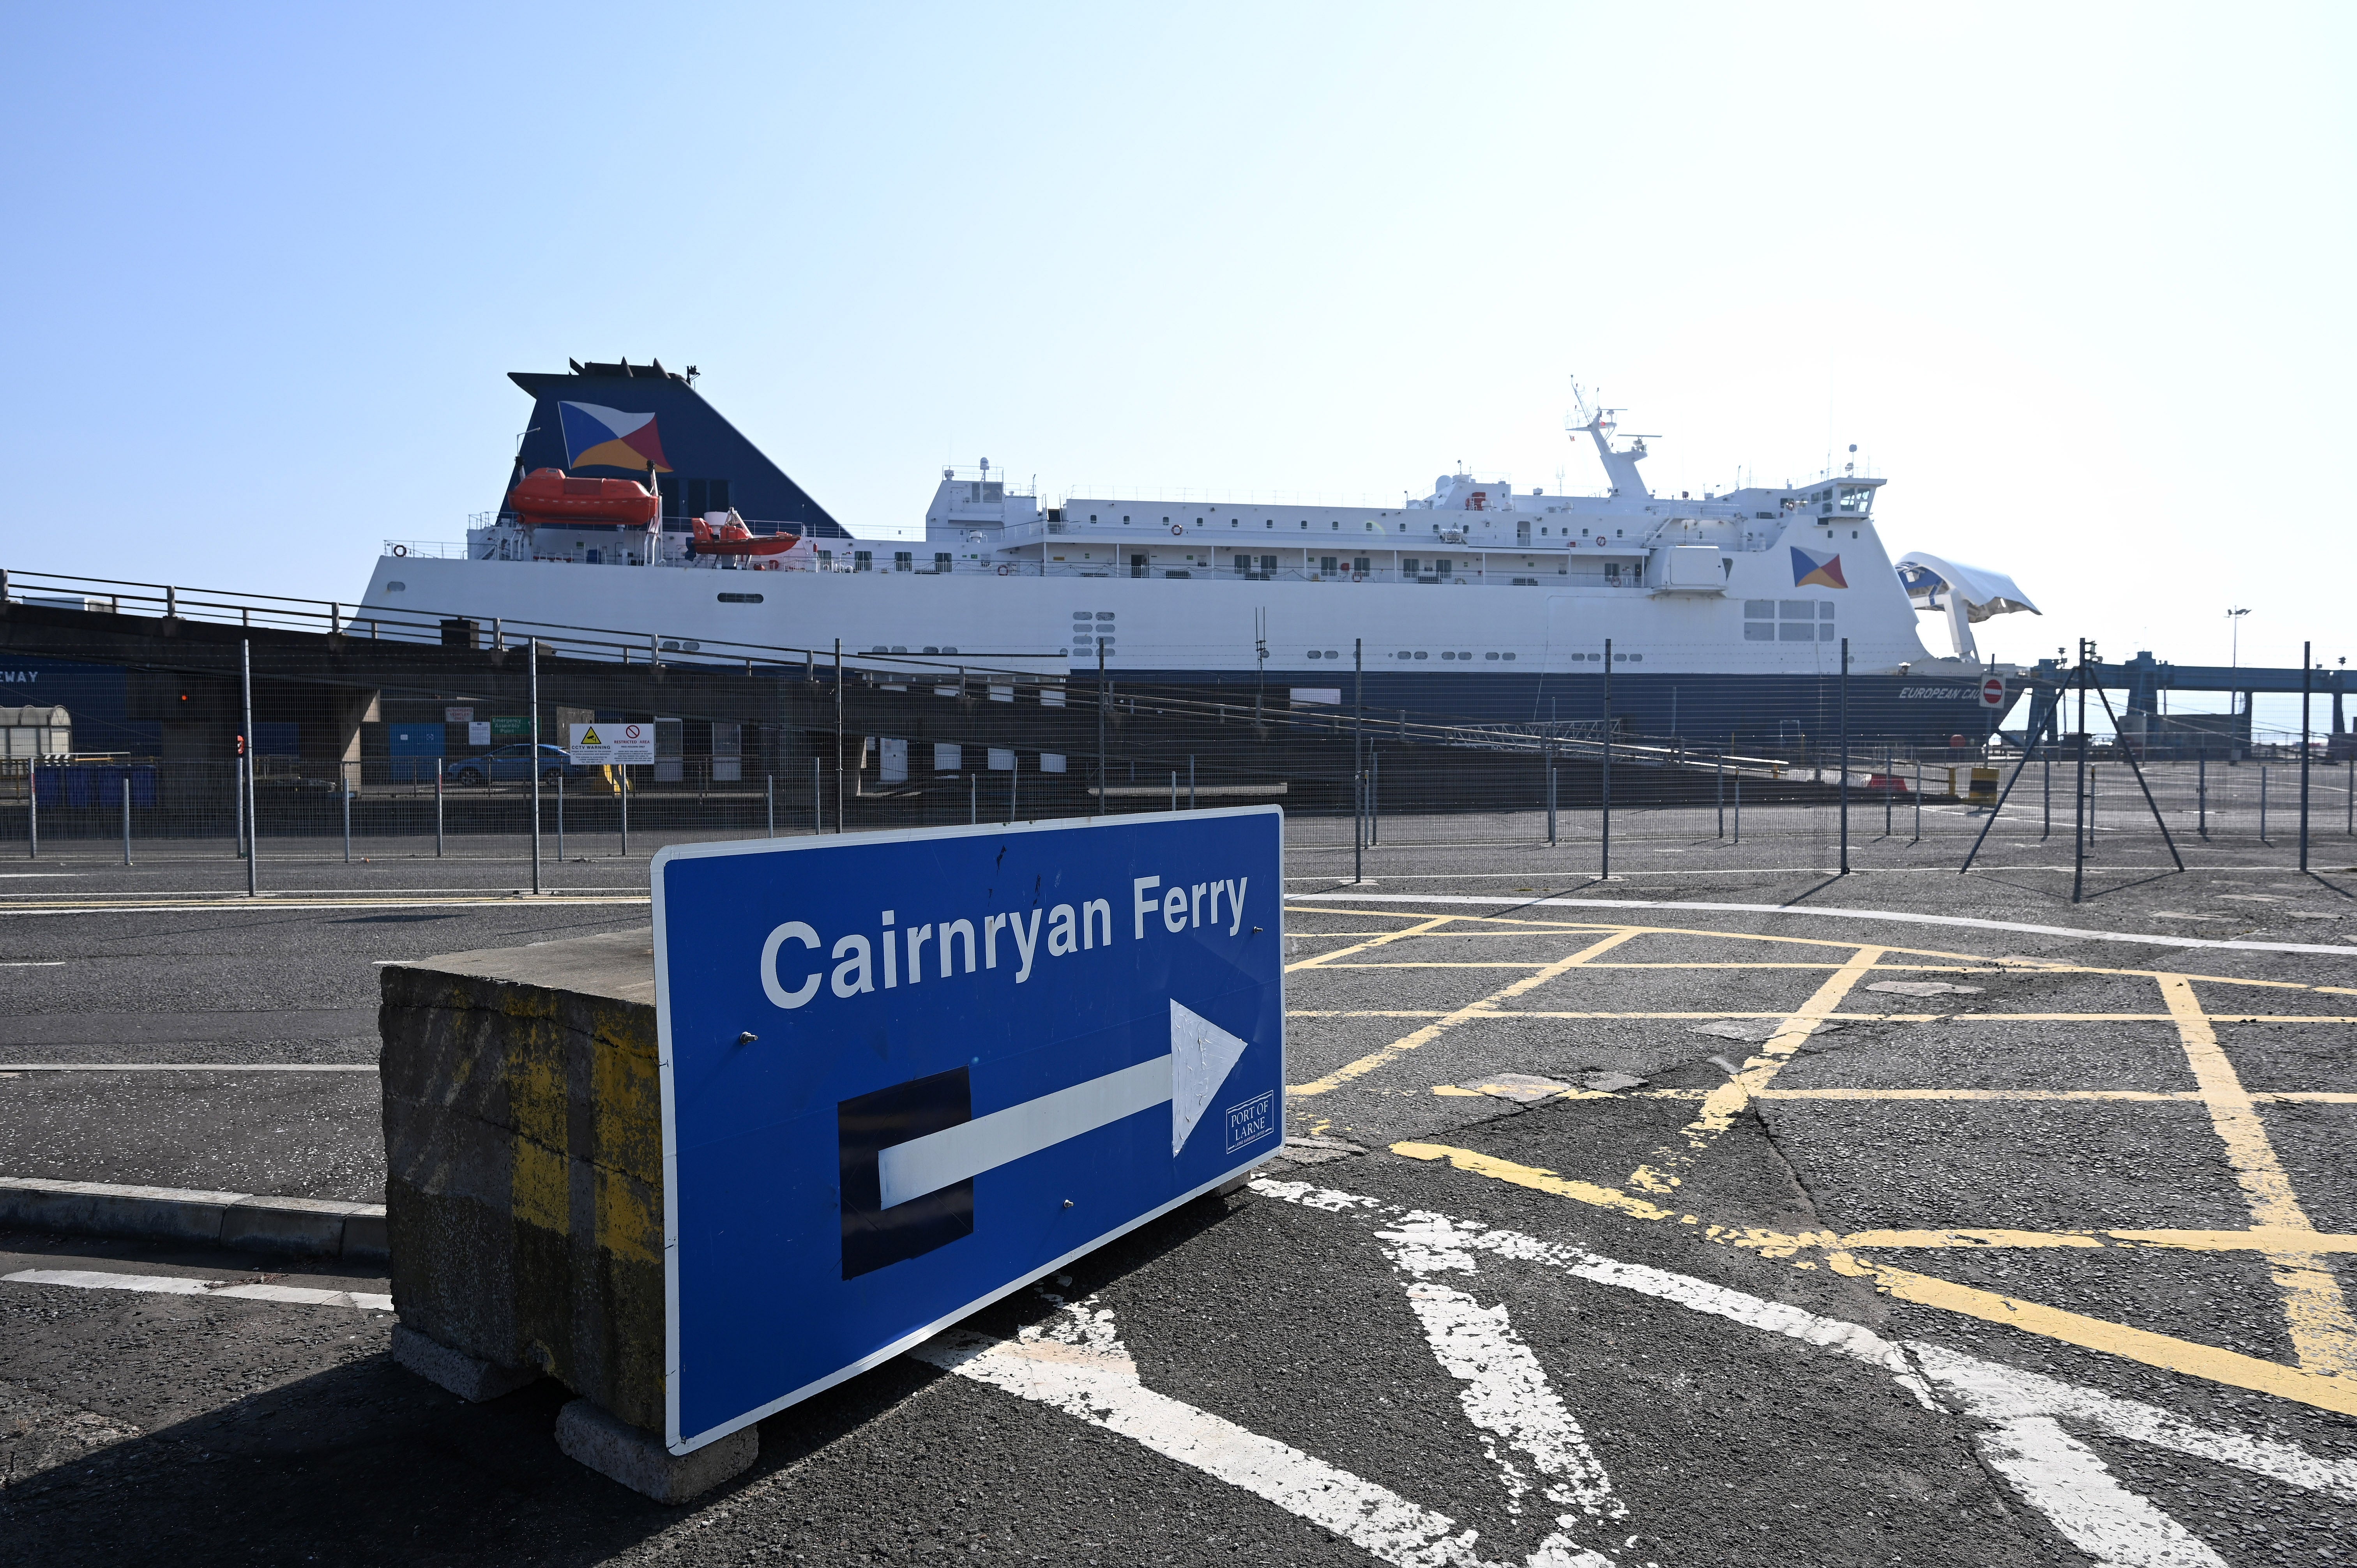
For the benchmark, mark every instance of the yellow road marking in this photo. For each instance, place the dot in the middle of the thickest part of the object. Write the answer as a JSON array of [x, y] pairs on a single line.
[[2206, 1361], [1723, 1103], [1448, 1021], [2131, 1096], [2323, 1334], [2258, 1241], [1969, 962], [1324, 961]]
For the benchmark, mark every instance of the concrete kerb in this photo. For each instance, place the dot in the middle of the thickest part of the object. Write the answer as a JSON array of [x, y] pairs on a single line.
[[243, 1221]]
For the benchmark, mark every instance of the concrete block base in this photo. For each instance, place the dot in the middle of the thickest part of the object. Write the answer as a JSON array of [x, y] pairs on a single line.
[[471, 1379], [639, 1461]]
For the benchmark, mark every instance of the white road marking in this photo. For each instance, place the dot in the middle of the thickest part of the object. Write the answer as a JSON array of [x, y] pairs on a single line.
[[188, 1067], [1506, 1392], [1900, 915], [34, 963], [2000, 1396], [1077, 1365], [2068, 1482], [172, 1285]]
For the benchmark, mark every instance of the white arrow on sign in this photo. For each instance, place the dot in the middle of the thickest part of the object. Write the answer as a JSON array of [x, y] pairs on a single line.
[[1202, 1055]]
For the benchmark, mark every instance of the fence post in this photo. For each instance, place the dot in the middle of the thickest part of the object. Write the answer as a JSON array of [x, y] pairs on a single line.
[[2263, 803], [1547, 788], [1718, 792], [2202, 792], [252, 818], [1174, 789], [440, 765], [626, 809], [32, 808], [1374, 798], [1919, 802], [818, 796], [560, 812], [2306, 680], [1605, 850], [344, 790], [1738, 806], [126, 816], [1190, 780], [2048, 826], [973, 800], [770, 793], [1014, 775], [1845, 755], [532, 663]]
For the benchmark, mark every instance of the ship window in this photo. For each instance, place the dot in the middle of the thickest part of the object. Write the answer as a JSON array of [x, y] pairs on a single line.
[[740, 598], [1824, 610], [1082, 615], [940, 561], [1328, 565], [1104, 615], [1331, 654], [1333, 525], [1092, 517], [1758, 609], [1825, 634], [1408, 566], [1759, 631], [1360, 565], [904, 560], [1448, 655], [1506, 656], [898, 647], [1797, 609], [825, 560], [1788, 633], [1489, 656], [1420, 653], [1124, 521], [1271, 523], [1314, 654], [929, 648], [1405, 655], [396, 587], [863, 560]]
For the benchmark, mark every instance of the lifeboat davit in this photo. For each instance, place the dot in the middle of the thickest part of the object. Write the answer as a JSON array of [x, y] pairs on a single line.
[[546, 496], [733, 537]]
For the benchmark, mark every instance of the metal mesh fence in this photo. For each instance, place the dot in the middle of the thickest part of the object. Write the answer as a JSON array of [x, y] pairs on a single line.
[[1379, 792]]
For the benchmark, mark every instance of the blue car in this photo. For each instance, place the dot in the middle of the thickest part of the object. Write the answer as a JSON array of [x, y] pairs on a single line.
[[513, 765]]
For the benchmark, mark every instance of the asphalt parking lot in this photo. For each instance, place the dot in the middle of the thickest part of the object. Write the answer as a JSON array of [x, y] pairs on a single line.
[[1725, 1213]]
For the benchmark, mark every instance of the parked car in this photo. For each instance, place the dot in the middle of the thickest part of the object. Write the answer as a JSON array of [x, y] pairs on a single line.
[[513, 765]]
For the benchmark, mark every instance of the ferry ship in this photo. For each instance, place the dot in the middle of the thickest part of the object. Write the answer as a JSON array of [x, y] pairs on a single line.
[[633, 505]]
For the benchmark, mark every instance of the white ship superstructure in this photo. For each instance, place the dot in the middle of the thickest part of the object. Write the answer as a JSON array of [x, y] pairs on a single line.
[[1721, 613]]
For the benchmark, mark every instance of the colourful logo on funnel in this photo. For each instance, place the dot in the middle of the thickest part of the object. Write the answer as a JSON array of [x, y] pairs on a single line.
[[1825, 571], [598, 437]]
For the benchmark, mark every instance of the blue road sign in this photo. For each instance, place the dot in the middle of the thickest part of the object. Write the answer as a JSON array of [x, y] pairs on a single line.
[[906, 1073]]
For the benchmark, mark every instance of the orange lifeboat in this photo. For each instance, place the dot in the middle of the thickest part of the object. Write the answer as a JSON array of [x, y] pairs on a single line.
[[733, 537], [545, 496]]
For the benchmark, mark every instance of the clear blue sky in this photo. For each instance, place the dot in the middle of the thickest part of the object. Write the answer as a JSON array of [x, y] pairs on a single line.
[[2075, 277]]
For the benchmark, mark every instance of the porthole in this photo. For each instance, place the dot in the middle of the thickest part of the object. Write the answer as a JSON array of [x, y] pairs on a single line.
[[740, 598]]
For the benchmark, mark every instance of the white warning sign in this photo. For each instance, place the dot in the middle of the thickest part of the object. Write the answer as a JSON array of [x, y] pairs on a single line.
[[596, 745]]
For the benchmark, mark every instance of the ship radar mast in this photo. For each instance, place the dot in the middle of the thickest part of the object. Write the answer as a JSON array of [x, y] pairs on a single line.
[[1620, 467]]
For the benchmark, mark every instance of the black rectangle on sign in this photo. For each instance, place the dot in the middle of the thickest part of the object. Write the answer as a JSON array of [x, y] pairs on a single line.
[[874, 1237]]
